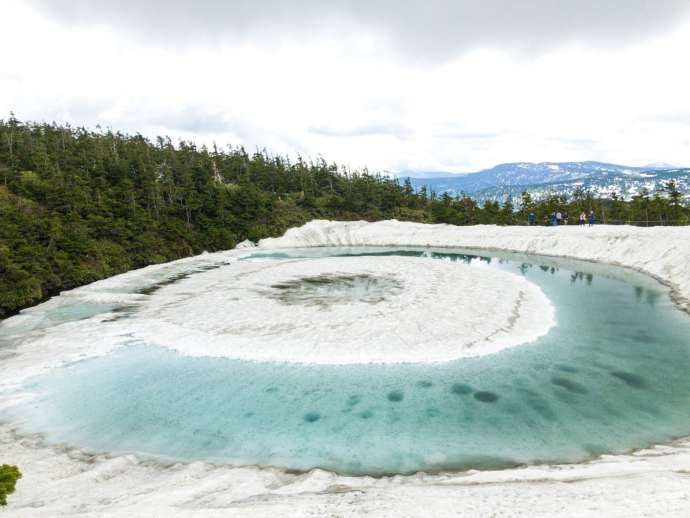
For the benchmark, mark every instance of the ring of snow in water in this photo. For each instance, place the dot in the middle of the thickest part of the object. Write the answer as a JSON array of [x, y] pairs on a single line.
[[323, 311]]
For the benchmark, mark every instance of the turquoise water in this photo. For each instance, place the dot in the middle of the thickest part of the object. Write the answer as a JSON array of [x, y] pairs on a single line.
[[613, 375]]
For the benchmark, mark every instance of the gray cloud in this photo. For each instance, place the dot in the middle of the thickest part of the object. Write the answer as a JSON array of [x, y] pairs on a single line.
[[418, 29]]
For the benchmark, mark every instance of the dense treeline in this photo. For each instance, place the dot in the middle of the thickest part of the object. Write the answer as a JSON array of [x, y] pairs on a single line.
[[666, 207], [78, 205]]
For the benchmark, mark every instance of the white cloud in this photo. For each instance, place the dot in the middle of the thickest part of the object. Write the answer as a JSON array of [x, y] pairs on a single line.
[[352, 99]]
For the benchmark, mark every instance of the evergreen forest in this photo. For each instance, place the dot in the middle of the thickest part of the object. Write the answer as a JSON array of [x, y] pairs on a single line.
[[78, 205]]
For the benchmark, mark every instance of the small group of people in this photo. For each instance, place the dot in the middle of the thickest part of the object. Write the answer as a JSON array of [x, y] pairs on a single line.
[[557, 218], [586, 218]]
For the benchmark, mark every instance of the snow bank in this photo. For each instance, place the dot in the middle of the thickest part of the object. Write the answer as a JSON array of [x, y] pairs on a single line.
[[60, 482], [245, 244], [663, 252]]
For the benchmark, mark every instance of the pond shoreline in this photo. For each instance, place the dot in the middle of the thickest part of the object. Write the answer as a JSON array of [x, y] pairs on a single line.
[[129, 486]]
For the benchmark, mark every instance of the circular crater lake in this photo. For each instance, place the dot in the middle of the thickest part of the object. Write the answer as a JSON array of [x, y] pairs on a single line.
[[610, 376]]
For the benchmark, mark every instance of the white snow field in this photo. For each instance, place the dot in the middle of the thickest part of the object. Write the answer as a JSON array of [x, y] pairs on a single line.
[[418, 319], [68, 482]]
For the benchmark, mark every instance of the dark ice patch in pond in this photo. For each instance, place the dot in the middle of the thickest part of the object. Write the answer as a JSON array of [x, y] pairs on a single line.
[[354, 400], [630, 379], [485, 396], [366, 414], [567, 397], [567, 368], [122, 312], [542, 408], [432, 412], [396, 396], [424, 384], [150, 290], [326, 290], [461, 389], [569, 385], [312, 417]]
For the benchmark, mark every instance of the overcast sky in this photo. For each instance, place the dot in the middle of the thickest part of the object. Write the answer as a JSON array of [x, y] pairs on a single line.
[[425, 85]]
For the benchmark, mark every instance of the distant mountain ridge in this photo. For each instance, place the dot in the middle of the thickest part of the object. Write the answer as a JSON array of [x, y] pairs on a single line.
[[562, 178]]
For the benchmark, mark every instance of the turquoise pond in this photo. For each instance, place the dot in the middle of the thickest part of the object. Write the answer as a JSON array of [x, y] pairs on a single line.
[[613, 375]]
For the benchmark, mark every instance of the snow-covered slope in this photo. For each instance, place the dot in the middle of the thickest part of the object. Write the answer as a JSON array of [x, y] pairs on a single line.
[[651, 482]]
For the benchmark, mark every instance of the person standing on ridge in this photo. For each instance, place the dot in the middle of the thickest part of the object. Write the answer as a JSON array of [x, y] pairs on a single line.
[[591, 218]]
